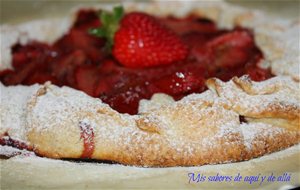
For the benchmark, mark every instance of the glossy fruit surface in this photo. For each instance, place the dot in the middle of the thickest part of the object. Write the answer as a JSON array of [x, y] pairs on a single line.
[[79, 60]]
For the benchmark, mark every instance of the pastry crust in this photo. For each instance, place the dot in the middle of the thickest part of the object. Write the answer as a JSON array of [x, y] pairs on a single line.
[[200, 129]]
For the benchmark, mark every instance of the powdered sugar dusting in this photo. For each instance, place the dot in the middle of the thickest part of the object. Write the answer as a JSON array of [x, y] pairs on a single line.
[[62, 103], [252, 131], [13, 109], [9, 151], [172, 133], [177, 132], [156, 101], [86, 126], [268, 95]]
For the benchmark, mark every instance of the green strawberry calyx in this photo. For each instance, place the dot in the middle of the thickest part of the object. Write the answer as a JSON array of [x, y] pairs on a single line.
[[109, 25]]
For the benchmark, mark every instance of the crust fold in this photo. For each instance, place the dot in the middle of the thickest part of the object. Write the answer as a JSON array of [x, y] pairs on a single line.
[[200, 129]]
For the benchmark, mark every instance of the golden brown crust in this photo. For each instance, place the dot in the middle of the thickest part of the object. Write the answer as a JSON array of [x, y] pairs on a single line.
[[199, 129]]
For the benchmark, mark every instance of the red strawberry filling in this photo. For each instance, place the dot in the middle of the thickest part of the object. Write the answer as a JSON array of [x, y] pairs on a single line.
[[79, 60]]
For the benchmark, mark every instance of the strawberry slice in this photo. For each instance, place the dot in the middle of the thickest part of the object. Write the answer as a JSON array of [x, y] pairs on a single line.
[[80, 40], [127, 100], [64, 67], [109, 66], [258, 74], [190, 24], [34, 51], [181, 82], [19, 59], [115, 82], [231, 49], [255, 72], [18, 77], [40, 78], [26, 60], [196, 39], [5, 72], [86, 78]]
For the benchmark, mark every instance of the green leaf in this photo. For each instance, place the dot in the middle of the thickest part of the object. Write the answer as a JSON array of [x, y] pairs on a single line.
[[99, 32], [105, 18], [118, 13], [109, 25]]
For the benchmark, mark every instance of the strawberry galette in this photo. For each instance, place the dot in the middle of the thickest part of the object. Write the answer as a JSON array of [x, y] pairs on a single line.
[[207, 83]]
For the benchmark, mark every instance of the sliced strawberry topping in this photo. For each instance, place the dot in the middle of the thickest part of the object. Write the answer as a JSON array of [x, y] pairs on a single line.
[[64, 67], [40, 78], [231, 49], [147, 46], [190, 24], [127, 99], [86, 77], [181, 82], [34, 51], [5, 73], [14, 78], [79, 40], [255, 72]]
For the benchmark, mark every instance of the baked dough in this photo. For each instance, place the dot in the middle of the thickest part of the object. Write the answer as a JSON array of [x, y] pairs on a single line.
[[233, 121]]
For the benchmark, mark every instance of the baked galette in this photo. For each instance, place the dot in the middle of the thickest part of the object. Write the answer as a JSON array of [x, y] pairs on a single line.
[[181, 84]]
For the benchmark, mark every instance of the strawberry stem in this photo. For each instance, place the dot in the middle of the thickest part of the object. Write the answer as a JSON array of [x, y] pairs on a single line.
[[109, 25]]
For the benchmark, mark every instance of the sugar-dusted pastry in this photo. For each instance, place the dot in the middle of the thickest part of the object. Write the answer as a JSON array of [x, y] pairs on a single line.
[[212, 83]]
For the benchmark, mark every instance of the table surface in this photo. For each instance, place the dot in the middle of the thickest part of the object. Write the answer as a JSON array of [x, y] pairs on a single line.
[[42, 173]]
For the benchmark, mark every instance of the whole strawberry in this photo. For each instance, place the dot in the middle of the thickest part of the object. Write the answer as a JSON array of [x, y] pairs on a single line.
[[142, 41]]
